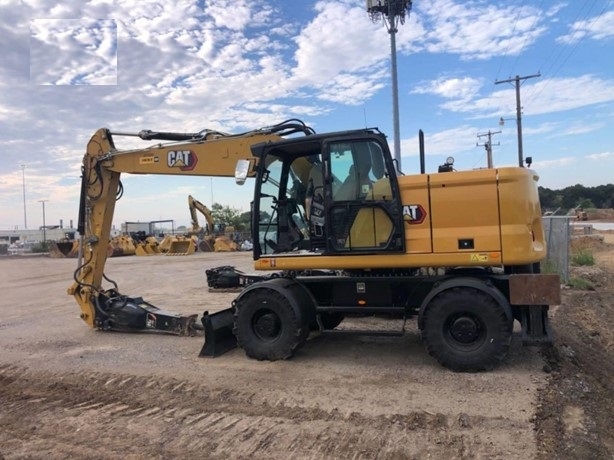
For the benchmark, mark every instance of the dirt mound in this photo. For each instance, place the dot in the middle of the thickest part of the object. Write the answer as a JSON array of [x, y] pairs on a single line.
[[604, 215], [574, 412]]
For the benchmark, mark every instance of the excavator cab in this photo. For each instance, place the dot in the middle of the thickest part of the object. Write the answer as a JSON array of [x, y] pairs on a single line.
[[327, 195]]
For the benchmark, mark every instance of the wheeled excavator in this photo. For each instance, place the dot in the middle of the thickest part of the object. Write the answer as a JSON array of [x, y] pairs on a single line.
[[338, 231], [208, 240]]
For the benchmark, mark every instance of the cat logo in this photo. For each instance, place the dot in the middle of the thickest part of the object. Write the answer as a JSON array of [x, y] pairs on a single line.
[[183, 159], [413, 214]]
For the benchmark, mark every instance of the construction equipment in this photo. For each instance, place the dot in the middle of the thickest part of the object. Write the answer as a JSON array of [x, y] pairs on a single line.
[[208, 240], [145, 245], [178, 245], [64, 248], [122, 245], [581, 214], [69, 248], [341, 232]]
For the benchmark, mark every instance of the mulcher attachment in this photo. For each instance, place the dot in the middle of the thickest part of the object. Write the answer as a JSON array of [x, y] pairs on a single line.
[[218, 333]]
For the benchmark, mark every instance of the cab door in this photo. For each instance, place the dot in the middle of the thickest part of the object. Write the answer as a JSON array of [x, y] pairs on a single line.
[[363, 211]]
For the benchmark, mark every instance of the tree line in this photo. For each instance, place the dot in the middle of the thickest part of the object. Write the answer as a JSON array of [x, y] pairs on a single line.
[[577, 196]]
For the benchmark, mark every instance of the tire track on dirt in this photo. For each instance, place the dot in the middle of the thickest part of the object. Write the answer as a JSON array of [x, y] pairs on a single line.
[[160, 417]]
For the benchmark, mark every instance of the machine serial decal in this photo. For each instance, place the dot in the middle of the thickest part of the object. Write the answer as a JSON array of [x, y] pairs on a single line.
[[479, 257], [183, 159], [148, 160], [413, 214]]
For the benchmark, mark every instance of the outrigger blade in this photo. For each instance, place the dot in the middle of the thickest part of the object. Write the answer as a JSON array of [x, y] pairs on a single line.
[[218, 333]]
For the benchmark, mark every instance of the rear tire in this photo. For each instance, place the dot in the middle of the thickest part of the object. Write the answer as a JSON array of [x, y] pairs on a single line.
[[267, 326], [466, 330]]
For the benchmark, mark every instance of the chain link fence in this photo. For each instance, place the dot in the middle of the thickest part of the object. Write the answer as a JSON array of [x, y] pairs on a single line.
[[558, 236]]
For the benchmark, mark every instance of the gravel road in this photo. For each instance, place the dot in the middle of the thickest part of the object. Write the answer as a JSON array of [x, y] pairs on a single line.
[[69, 391]]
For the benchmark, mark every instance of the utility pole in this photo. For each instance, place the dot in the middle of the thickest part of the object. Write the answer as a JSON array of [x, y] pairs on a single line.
[[44, 224], [23, 183], [488, 146], [392, 12], [517, 81]]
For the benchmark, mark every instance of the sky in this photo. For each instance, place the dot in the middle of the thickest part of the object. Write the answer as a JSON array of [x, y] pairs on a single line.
[[69, 68]]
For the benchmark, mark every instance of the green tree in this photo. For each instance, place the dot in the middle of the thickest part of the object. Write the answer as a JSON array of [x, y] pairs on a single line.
[[227, 216]]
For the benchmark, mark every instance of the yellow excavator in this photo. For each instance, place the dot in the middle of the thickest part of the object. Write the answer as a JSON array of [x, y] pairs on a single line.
[[337, 231], [208, 240]]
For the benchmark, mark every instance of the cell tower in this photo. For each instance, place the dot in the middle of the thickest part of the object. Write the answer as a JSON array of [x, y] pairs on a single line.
[[391, 12]]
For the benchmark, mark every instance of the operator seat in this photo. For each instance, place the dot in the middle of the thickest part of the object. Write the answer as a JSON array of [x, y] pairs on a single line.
[[358, 184]]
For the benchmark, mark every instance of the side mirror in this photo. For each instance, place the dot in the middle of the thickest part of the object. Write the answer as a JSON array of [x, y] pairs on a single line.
[[241, 171], [528, 161]]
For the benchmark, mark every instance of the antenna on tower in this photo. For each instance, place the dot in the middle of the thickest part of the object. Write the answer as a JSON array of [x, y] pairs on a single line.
[[391, 12]]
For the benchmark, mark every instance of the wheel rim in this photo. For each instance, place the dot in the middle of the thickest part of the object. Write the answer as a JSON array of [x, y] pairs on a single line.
[[465, 331], [266, 325]]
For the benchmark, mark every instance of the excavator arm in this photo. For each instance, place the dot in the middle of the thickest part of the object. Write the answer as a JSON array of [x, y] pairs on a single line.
[[207, 153], [195, 205]]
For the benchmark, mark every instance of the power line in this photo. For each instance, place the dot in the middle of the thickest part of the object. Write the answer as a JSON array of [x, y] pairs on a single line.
[[526, 35], [532, 96], [510, 40]]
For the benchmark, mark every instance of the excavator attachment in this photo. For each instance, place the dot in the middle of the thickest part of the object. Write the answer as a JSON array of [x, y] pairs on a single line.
[[206, 245], [178, 245], [225, 244], [121, 246], [219, 337], [64, 249], [148, 247], [118, 246]]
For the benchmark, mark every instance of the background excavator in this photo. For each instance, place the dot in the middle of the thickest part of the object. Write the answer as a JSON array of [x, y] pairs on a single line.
[[340, 232], [208, 241]]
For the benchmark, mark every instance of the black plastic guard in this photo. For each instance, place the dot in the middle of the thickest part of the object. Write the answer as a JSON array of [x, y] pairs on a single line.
[[218, 333], [535, 325]]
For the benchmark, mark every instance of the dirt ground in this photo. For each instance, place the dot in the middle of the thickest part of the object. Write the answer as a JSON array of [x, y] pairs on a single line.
[[67, 391]]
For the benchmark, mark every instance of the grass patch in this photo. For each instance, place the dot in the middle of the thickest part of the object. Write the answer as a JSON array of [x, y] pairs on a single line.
[[548, 266], [583, 257], [581, 284]]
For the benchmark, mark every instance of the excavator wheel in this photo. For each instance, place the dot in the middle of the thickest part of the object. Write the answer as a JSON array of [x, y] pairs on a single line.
[[267, 326], [466, 330]]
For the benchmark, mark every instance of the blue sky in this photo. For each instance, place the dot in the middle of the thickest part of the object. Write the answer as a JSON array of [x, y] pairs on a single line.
[[69, 68]]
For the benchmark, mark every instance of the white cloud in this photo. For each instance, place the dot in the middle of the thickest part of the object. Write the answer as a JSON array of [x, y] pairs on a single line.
[[558, 162], [597, 28], [449, 141], [474, 30], [600, 156], [451, 88], [542, 96], [73, 51]]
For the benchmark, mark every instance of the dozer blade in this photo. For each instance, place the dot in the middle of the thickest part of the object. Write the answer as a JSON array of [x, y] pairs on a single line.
[[181, 248], [218, 333]]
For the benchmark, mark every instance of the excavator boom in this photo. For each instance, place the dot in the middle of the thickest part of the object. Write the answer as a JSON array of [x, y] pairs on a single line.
[[207, 153]]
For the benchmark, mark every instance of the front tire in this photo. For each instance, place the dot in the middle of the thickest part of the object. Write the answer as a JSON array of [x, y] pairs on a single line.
[[267, 326], [466, 330]]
